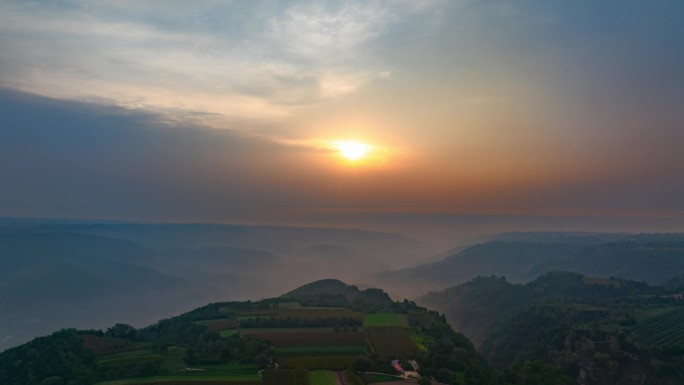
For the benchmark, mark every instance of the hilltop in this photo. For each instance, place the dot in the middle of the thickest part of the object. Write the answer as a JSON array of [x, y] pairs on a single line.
[[277, 341]]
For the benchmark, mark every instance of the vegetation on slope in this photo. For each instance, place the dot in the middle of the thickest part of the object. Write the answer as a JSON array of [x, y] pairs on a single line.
[[184, 349], [599, 331]]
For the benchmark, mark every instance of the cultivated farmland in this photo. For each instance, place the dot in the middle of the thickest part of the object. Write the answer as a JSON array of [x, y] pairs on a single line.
[[322, 377], [304, 317], [306, 351], [302, 313], [385, 319], [286, 377], [219, 324], [320, 362], [393, 342], [663, 330], [212, 374], [308, 337]]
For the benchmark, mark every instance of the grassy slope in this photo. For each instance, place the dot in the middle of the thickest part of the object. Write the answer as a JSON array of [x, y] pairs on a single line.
[[322, 377], [385, 319]]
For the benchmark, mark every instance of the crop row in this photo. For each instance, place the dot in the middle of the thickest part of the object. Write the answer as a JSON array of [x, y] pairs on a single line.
[[315, 313], [385, 319], [286, 377], [307, 351], [313, 339], [393, 342], [219, 324], [663, 330], [321, 362]]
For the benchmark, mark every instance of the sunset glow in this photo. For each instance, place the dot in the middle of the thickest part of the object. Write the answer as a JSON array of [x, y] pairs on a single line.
[[320, 110], [352, 151]]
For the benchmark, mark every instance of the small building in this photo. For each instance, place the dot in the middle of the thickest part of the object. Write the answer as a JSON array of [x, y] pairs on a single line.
[[397, 366]]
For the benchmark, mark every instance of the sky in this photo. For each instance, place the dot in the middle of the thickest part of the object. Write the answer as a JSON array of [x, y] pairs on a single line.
[[527, 114]]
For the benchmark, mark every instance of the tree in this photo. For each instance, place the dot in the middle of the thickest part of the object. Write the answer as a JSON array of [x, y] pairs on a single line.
[[122, 331]]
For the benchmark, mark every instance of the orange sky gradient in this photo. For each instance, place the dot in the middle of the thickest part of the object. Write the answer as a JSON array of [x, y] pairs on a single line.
[[228, 112]]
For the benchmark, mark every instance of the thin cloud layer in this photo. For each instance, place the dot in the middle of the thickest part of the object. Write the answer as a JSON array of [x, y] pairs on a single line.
[[201, 110], [238, 59]]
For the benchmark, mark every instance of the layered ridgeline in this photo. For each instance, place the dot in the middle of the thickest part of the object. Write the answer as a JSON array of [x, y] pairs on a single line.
[[57, 274], [598, 331], [323, 333], [522, 257]]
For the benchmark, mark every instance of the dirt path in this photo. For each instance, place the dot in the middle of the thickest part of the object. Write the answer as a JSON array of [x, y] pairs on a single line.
[[339, 376]]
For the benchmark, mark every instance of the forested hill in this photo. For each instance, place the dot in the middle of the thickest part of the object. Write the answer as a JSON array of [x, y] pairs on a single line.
[[599, 331], [522, 257], [297, 339]]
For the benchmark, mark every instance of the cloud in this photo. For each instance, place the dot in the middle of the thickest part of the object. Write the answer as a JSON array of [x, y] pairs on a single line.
[[81, 156], [499, 105], [256, 60]]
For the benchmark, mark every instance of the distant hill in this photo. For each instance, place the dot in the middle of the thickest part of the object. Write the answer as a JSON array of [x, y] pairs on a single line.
[[387, 248], [61, 273], [53, 280], [602, 331], [521, 257]]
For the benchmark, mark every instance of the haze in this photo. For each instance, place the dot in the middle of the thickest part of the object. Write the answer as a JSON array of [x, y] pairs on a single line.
[[467, 118]]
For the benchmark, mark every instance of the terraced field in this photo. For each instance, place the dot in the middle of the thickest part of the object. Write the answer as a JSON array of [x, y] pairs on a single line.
[[385, 319], [305, 355], [319, 362], [219, 324], [302, 313], [322, 377], [393, 342], [308, 351], [308, 337], [664, 330], [228, 374]]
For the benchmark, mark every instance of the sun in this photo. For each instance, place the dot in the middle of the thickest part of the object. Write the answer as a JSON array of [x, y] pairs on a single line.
[[352, 151]]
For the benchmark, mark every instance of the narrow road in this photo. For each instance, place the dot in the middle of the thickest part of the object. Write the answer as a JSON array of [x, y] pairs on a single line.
[[339, 376]]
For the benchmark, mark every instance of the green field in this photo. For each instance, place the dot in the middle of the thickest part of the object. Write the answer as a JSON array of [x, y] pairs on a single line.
[[304, 351], [286, 377], [311, 337], [219, 324], [320, 362], [322, 377], [419, 341], [385, 319], [302, 313], [644, 314], [222, 380], [228, 333], [393, 342], [233, 374]]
